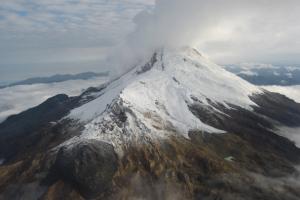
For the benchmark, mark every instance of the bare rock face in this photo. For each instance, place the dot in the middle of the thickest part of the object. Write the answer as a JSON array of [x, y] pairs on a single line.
[[89, 166]]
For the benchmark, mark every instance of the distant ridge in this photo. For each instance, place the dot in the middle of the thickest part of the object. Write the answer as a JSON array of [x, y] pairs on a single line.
[[57, 78]]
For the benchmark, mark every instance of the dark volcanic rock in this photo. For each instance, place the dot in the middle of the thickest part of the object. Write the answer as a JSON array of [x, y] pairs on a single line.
[[148, 65], [89, 165], [23, 130], [28, 121]]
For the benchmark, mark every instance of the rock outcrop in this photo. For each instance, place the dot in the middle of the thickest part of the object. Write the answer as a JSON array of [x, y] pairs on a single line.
[[89, 166]]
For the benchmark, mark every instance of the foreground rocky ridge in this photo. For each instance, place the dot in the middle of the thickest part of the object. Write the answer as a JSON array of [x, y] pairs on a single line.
[[150, 157], [206, 166]]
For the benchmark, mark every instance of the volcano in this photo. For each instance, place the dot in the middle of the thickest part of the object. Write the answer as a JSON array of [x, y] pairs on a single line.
[[176, 126]]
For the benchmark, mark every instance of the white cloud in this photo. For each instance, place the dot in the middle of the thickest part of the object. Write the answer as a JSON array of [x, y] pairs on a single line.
[[250, 66], [249, 73], [292, 68], [228, 31], [265, 31]]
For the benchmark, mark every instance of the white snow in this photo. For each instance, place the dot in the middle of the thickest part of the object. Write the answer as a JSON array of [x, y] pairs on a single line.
[[96, 107], [16, 99], [293, 92], [159, 98]]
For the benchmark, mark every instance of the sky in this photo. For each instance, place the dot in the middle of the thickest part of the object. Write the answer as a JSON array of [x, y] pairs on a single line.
[[69, 36], [44, 36]]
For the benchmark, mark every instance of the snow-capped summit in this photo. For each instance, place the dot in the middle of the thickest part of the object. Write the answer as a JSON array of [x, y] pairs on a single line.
[[158, 93]]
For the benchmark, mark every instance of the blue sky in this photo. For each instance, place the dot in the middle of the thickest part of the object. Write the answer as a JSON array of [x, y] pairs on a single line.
[[40, 37]]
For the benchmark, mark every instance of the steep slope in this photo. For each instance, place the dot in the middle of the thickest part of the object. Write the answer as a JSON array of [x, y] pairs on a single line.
[[175, 127]]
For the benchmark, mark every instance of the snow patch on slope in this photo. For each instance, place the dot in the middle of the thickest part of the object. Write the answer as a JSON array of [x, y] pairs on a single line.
[[97, 107]]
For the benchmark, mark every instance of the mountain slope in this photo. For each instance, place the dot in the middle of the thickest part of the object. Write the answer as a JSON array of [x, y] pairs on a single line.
[[175, 127], [159, 92]]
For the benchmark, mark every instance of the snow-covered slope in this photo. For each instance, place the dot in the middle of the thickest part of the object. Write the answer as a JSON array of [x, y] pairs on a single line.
[[155, 96]]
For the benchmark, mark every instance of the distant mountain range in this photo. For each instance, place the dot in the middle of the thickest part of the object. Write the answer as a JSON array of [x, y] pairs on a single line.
[[57, 78], [265, 74]]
